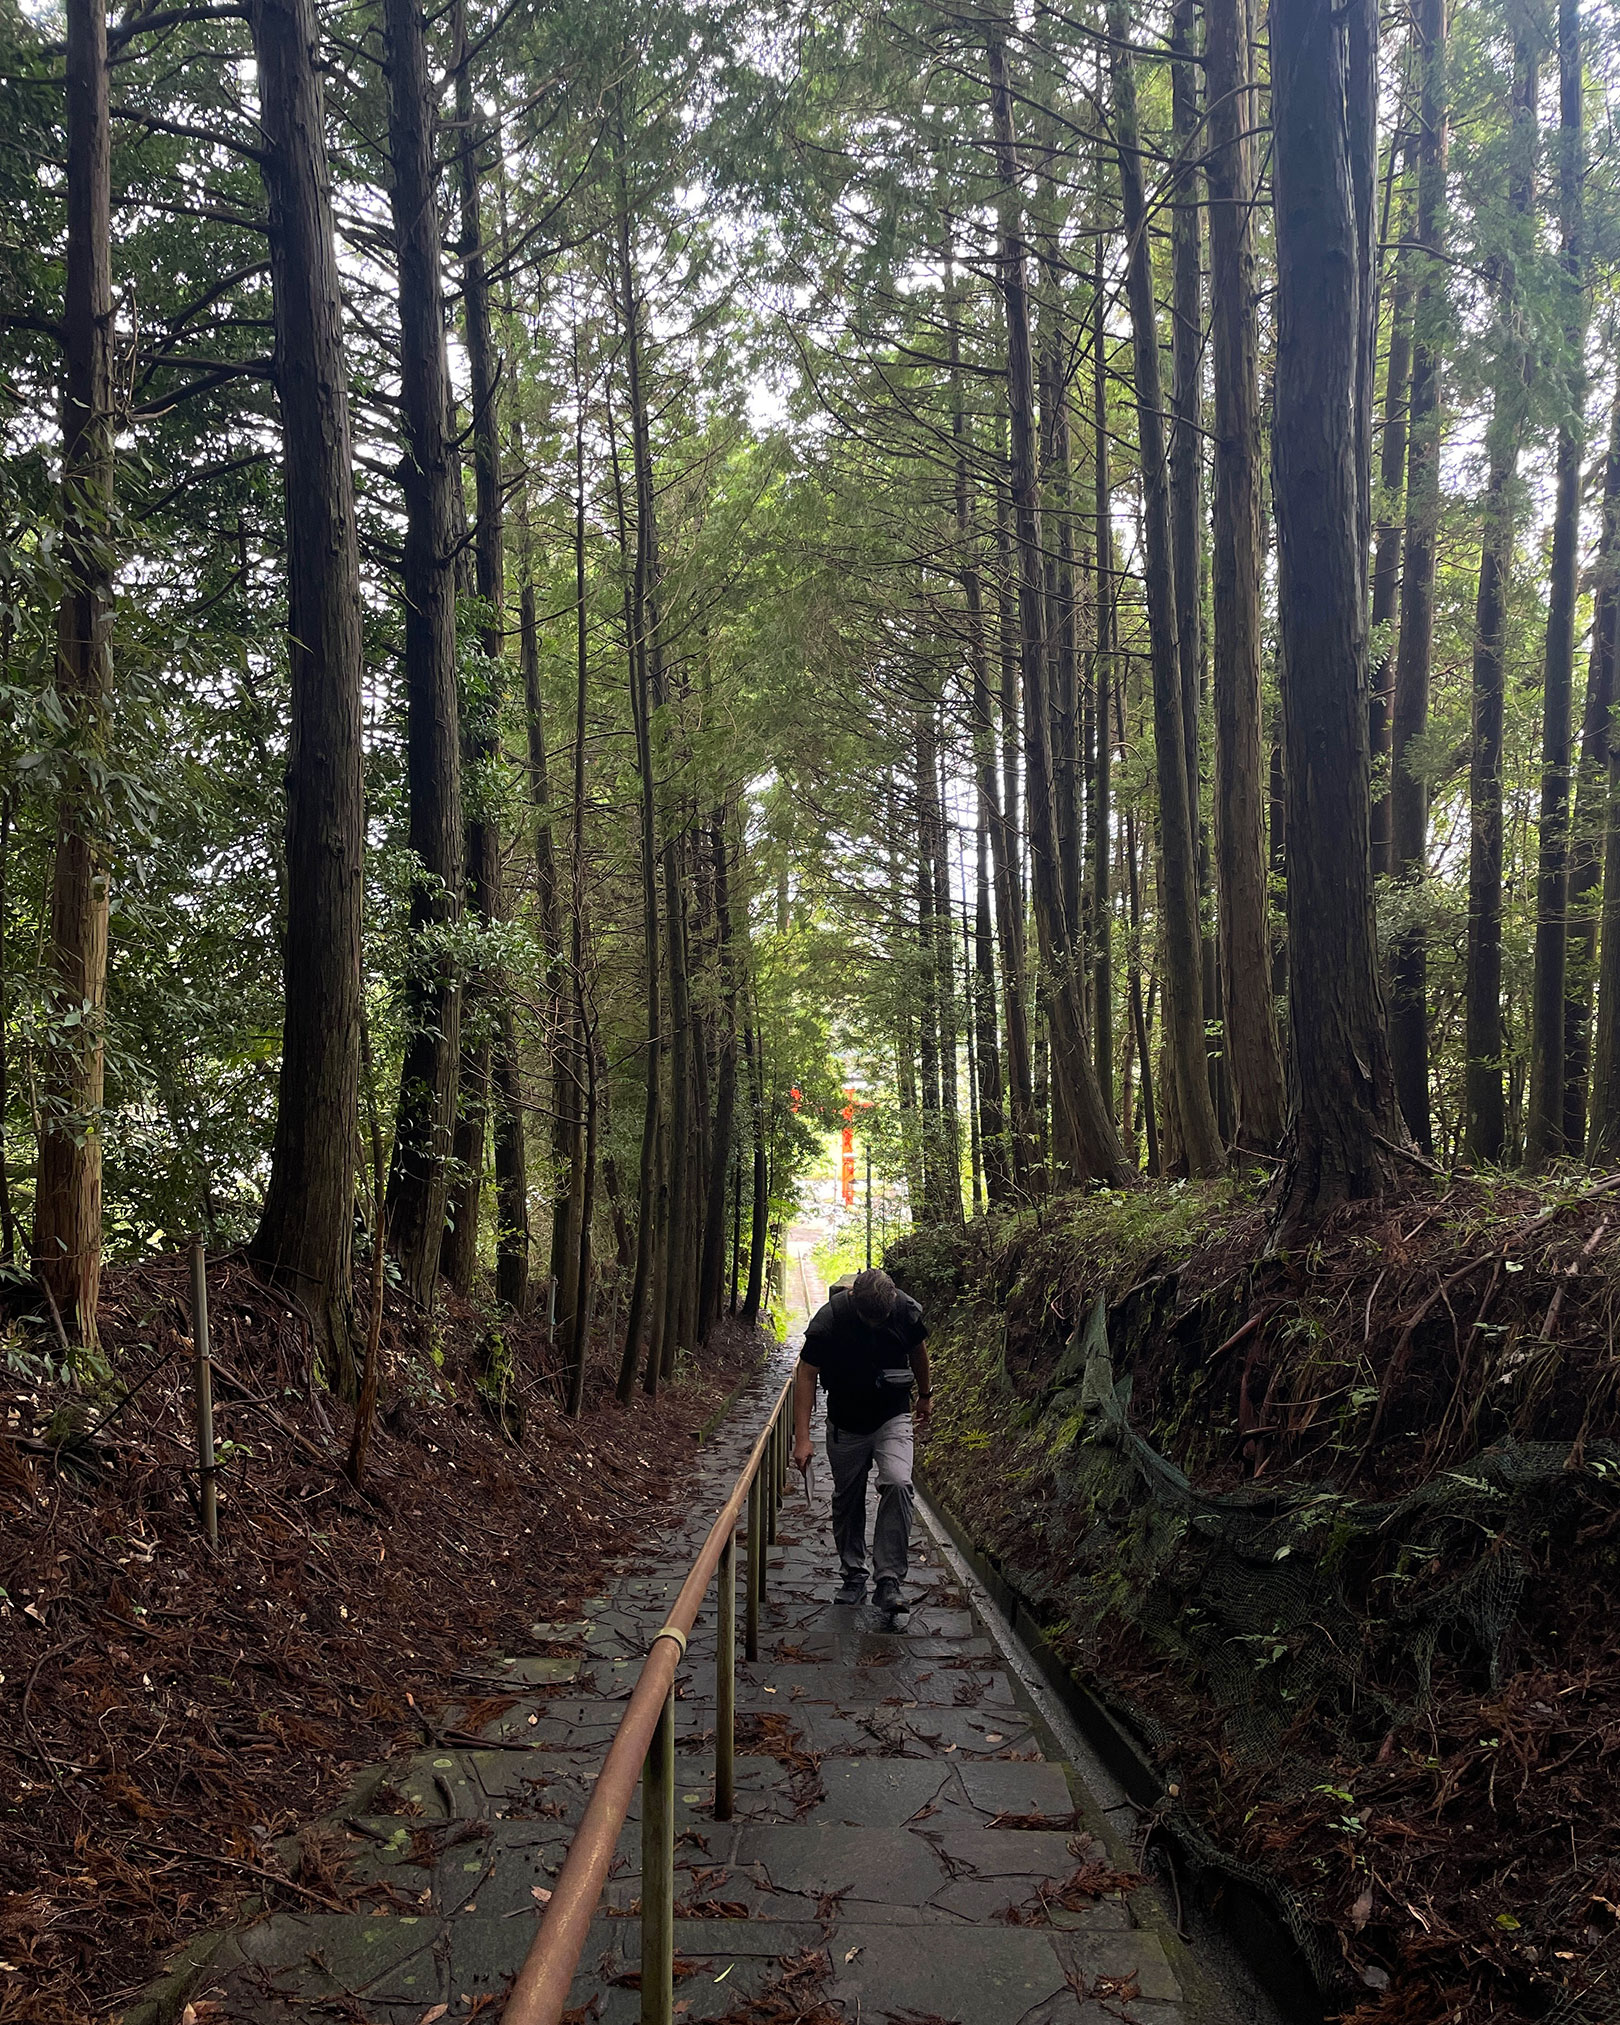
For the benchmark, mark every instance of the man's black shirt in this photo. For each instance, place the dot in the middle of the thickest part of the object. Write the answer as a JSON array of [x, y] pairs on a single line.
[[865, 1368]]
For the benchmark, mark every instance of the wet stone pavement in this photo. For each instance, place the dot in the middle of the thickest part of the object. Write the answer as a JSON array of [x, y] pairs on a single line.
[[907, 1844]]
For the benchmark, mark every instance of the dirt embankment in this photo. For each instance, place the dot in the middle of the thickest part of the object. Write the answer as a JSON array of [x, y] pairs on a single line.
[[1337, 1534], [166, 1714]]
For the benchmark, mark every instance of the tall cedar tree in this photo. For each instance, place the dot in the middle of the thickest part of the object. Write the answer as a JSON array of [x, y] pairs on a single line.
[[1183, 959], [1485, 1123], [67, 1202], [1252, 1051], [490, 1099], [1591, 791], [303, 1240], [1091, 1131], [1409, 791], [419, 1183], [1544, 1127], [1346, 1130]]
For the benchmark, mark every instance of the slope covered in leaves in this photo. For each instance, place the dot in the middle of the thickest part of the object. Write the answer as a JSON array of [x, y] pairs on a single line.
[[1346, 1563], [165, 1714]]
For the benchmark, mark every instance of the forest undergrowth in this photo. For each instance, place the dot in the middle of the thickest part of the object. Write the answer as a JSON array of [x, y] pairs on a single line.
[[1410, 1719], [165, 1714]]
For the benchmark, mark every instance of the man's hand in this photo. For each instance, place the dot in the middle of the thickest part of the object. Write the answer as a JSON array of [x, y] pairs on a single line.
[[922, 1414], [803, 1450]]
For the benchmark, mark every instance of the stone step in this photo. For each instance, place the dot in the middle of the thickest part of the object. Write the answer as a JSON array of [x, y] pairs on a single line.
[[944, 1868], [390, 1971], [864, 1792]]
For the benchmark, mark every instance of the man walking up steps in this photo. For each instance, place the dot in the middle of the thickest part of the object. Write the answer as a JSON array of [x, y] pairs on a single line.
[[867, 1346]]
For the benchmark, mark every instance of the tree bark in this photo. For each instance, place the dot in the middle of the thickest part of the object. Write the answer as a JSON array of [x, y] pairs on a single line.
[[489, 1070], [1252, 1052], [1141, 1009], [67, 1198], [460, 1250], [1591, 791], [1544, 1127], [645, 1275], [418, 1184], [1345, 1116], [1102, 912], [725, 1101], [1386, 576], [760, 1208], [1485, 1118], [992, 1114], [945, 993], [302, 1244], [1409, 792], [1002, 1169], [1178, 855], [1091, 1129]]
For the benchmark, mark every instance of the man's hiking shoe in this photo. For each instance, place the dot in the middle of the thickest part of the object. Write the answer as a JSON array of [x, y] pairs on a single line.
[[891, 1601], [851, 1591]]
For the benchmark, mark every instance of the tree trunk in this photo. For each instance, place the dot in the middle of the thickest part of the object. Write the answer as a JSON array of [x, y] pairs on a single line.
[[1183, 963], [481, 1065], [1012, 744], [1091, 1129], [1102, 744], [725, 1103], [1386, 582], [418, 1184], [650, 632], [1345, 1116], [1186, 469], [67, 1200], [1063, 662], [1603, 1134], [302, 1244], [645, 1273], [1252, 1052], [998, 1176], [1544, 1128], [577, 1291], [1485, 1120], [1141, 1010], [8, 1221], [945, 992], [760, 1218], [1004, 1163], [584, 1271], [1591, 789], [1408, 789]]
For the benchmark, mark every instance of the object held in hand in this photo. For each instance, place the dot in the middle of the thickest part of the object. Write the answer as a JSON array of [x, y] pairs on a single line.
[[807, 1470]]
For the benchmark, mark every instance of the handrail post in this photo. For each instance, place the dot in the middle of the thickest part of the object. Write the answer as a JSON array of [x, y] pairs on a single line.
[[756, 1533], [658, 1872], [725, 1685], [765, 1533], [207, 1489], [772, 1467]]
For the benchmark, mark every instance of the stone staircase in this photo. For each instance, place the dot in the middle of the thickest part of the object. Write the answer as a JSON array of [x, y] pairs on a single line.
[[907, 1844]]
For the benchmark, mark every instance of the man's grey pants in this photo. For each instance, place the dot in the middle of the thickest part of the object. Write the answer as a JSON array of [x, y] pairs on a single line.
[[851, 1457]]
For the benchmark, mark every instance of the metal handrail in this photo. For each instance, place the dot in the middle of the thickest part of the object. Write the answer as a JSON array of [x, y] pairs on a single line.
[[644, 1745]]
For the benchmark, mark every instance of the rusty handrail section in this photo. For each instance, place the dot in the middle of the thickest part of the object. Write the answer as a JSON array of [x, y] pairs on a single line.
[[644, 1745]]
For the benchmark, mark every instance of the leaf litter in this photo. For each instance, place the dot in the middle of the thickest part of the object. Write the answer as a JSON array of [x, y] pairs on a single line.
[[169, 1718]]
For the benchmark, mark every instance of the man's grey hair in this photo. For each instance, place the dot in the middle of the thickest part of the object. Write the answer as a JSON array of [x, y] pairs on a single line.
[[873, 1293]]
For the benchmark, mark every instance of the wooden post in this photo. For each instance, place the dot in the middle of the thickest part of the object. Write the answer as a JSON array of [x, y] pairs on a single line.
[[756, 1536], [207, 1498], [725, 1685], [869, 1206], [658, 1872]]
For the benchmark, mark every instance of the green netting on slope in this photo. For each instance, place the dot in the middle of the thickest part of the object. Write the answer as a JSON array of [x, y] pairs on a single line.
[[1288, 1599]]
